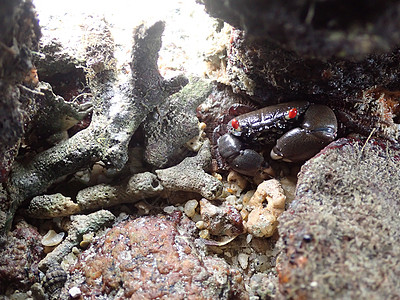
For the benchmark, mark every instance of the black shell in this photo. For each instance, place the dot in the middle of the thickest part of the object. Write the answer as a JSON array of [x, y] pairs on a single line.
[[54, 281]]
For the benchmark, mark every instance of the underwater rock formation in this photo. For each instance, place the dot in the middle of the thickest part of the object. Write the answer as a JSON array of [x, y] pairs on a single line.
[[315, 28], [339, 236], [19, 258], [121, 103], [174, 123], [19, 38], [140, 258]]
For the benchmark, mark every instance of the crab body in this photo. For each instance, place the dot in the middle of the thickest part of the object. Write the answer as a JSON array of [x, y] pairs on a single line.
[[298, 129]]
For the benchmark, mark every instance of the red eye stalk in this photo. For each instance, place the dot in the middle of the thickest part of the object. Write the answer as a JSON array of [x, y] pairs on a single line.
[[292, 113], [235, 124]]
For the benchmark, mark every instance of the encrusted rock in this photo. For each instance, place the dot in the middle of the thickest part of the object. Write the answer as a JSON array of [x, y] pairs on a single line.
[[317, 29], [190, 175], [174, 123], [19, 37], [81, 224], [265, 206], [339, 236], [49, 206], [19, 258], [138, 259], [223, 220]]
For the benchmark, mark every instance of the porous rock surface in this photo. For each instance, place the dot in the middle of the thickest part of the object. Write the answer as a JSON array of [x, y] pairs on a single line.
[[154, 257], [19, 258], [19, 36], [340, 236]]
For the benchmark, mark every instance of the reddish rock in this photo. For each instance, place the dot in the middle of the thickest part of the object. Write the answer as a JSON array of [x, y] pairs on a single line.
[[20, 257], [155, 257]]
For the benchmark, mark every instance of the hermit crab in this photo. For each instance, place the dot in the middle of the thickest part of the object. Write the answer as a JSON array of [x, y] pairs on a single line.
[[298, 130]]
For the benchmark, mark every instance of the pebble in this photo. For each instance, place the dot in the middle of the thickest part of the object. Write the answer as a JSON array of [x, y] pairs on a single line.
[[243, 260], [190, 208], [75, 292], [87, 238]]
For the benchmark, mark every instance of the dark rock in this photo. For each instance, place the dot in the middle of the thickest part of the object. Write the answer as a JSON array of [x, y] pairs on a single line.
[[19, 258], [315, 28], [19, 35]]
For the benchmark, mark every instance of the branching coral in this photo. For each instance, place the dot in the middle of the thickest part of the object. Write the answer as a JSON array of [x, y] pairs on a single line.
[[189, 175], [122, 101]]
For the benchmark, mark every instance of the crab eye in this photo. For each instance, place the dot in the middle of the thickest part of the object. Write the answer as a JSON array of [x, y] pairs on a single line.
[[235, 124], [292, 113]]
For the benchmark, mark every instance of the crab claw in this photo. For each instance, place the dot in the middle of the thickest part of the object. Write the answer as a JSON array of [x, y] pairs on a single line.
[[248, 162], [245, 161], [317, 130]]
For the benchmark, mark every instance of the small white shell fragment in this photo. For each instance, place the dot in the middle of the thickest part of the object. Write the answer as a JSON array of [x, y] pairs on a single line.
[[217, 175], [228, 254], [52, 238], [243, 260], [190, 208], [262, 221], [249, 237], [74, 292], [143, 208], [169, 209], [69, 260]]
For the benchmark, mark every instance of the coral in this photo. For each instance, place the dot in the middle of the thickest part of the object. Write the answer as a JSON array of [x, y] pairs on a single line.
[[173, 124], [51, 206], [317, 28], [49, 114], [190, 176], [120, 104], [81, 224], [262, 221], [153, 257], [338, 236], [140, 186]]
